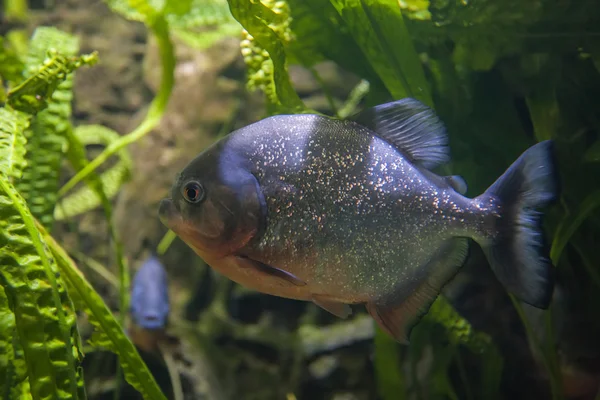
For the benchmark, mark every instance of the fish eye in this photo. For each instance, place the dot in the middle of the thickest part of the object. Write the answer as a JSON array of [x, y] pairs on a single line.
[[193, 192]]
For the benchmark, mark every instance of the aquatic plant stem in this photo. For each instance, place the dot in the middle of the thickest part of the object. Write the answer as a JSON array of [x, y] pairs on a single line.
[[157, 108], [165, 242]]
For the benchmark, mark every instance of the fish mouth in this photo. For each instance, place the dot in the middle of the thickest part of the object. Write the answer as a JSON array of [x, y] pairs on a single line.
[[168, 214], [172, 218]]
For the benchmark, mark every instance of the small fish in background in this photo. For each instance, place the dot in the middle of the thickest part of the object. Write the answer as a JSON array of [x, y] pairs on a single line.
[[342, 212], [149, 304]]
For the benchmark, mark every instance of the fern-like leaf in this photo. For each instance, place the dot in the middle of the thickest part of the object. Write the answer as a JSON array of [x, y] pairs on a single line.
[[47, 136], [12, 142], [44, 315], [87, 198], [109, 333]]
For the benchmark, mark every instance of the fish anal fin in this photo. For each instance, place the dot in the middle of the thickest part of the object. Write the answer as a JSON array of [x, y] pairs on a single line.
[[272, 272], [411, 127], [398, 318], [338, 309]]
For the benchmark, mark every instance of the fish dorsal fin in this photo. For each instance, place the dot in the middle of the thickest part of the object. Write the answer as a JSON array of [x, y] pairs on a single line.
[[412, 127]]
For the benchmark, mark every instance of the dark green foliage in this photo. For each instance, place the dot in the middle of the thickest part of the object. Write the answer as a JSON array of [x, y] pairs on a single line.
[[502, 75]]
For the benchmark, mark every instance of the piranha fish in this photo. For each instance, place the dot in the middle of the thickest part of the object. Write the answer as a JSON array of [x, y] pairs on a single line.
[[343, 212]]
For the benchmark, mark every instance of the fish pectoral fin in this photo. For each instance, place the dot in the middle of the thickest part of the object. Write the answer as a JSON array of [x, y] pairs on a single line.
[[457, 182], [338, 309], [262, 268], [412, 127], [398, 319]]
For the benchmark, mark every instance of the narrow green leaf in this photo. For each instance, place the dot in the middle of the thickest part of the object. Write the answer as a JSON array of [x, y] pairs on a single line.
[[571, 223], [44, 315], [87, 299], [378, 28], [390, 382], [12, 142], [544, 112]]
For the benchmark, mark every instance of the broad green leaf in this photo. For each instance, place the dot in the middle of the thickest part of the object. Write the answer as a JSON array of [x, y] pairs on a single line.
[[265, 27], [378, 28], [12, 142], [146, 11], [87, 299], [190, 14], [44, 315], [319, 33], [11, 66], [204, 22]]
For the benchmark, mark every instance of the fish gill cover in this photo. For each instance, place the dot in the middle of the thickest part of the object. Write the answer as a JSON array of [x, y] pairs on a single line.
[[502, 75]]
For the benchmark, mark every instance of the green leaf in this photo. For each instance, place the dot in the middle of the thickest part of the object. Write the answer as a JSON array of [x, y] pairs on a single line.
[[47, 136], [77, 157], [7, 355], [319, 33], [44, 315], [87, 299], [87, 198], [570, 223], [50, 62], [146, 11], [265, 28], [11, 66], [12, 142], [378, 28], [390, 382]]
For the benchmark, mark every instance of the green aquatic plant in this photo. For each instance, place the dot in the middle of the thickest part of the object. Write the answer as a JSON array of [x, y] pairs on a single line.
[[500, 73], [38, 280], [433, 51], [377, 31]]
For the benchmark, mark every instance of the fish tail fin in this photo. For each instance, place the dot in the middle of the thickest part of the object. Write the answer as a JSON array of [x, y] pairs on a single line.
[[518, 252]]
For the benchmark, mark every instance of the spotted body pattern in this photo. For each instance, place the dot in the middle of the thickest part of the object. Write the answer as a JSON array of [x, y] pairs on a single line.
[[347, 213], [350, 211]]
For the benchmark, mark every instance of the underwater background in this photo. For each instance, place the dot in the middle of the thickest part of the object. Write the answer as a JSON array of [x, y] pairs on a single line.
[[104, 102]]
